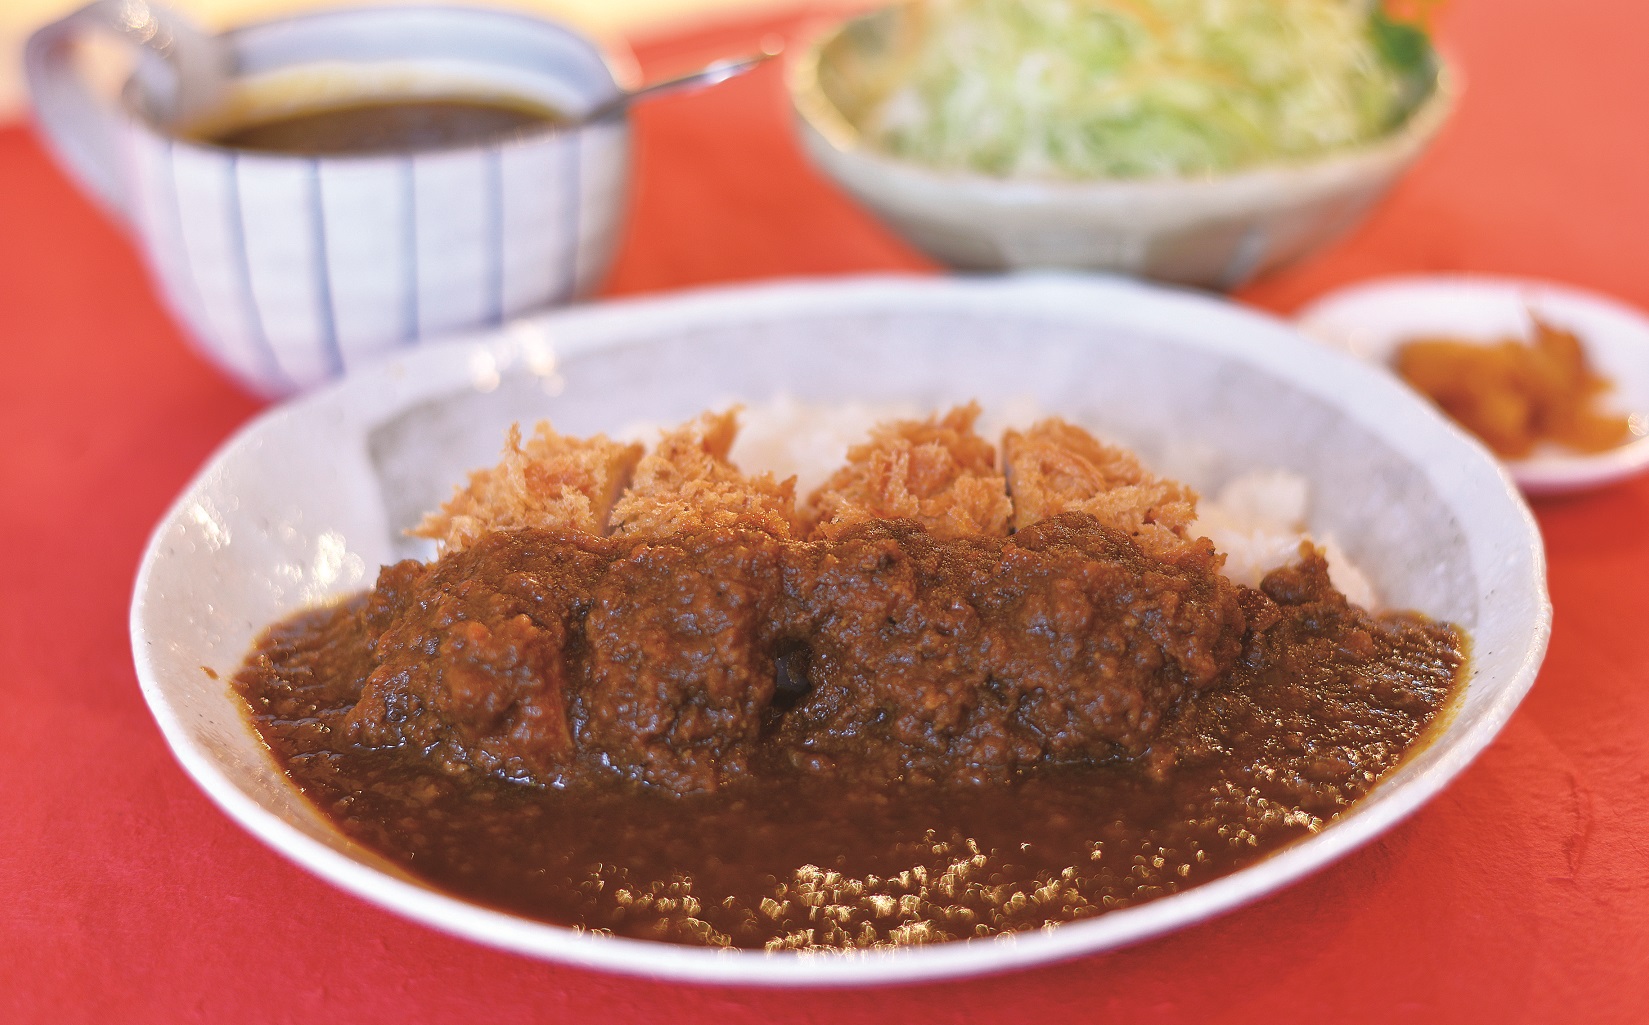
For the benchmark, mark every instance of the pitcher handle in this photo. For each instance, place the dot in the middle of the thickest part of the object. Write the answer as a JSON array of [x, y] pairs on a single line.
[[176, 63]]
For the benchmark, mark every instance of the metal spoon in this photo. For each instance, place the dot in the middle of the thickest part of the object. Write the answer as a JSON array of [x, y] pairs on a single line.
[[711, 74]]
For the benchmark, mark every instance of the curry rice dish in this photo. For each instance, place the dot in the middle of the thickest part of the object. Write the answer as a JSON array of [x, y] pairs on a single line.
[[647, 694]]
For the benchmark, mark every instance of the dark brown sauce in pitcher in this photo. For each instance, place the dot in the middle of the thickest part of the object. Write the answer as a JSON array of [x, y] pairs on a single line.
[[386, 125]]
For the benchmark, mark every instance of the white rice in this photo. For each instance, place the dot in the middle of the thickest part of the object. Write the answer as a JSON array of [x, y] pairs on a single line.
[[1258, 519]]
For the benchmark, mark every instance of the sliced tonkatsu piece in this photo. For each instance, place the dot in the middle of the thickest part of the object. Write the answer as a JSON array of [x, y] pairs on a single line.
[[1056, 467], [937, 471], [553, 482], [687, 484]]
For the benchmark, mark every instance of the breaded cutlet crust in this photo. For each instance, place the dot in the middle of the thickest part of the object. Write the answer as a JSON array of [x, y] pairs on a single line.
[[1056, 467], [687, 484], [553, 482], [937, 471]]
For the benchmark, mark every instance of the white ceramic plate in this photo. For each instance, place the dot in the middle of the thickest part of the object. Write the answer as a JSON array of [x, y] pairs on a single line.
[[1370, 320], [306, 502]]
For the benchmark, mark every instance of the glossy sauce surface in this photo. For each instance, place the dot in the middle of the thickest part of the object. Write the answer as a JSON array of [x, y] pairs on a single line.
[[395, 125], [861, 808]]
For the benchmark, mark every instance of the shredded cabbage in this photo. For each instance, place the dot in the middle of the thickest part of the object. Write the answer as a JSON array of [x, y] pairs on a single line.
[[1126, 88]]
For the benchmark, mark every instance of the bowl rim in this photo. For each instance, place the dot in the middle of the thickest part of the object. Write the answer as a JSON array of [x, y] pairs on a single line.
[[825, 123], [613, 49], [398, 893], [612, 53]]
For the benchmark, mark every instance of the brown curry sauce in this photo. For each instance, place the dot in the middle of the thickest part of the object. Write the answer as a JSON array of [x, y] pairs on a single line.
[[886, 738]]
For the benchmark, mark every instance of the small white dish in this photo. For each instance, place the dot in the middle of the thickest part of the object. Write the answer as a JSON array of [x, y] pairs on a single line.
[[307, 501], [1372, 319]]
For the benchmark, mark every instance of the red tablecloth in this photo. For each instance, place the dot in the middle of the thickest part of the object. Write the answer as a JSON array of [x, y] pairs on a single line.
[[1520, 895]]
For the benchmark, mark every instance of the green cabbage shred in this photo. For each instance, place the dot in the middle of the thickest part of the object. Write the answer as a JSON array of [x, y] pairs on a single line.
[[1126, 88]]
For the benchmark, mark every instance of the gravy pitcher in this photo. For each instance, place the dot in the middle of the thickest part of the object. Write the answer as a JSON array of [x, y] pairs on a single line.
[[289, 268]]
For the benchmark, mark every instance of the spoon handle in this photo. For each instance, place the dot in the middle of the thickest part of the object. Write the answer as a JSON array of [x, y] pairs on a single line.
[[711, 74]]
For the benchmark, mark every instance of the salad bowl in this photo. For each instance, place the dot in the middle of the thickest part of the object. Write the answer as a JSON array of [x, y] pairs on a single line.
[[1212, 231]]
